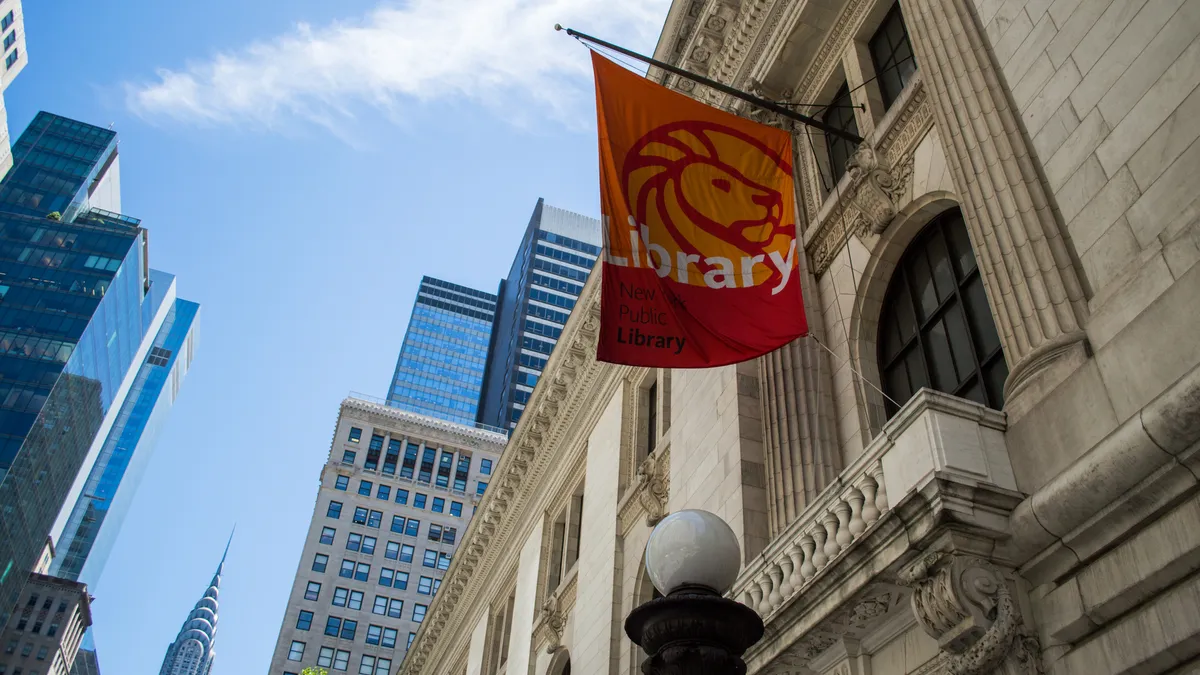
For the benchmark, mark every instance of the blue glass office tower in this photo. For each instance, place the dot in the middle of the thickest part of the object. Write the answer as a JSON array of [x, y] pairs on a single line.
[[442, 362], [93, 522], [547, 275], [76, 301]]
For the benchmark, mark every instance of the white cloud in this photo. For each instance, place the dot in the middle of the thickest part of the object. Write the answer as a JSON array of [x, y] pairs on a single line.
[[502, 53]]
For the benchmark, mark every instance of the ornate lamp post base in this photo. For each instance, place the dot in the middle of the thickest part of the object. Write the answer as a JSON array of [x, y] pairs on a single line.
[[694, 631]]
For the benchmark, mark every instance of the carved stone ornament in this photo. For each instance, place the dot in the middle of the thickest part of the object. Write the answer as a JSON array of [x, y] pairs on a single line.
[[553, 621], [965, 604], [875, 187], [654, 485]]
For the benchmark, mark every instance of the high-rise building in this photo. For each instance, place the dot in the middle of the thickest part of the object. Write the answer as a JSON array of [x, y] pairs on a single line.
[[442, 362], [394, 500], [547, 275], [12, 28], [80, 309], [45, 634], [194, 648], [91, 523]]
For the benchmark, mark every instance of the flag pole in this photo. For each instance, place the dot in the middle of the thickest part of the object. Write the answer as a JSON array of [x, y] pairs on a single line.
[[724, 88]]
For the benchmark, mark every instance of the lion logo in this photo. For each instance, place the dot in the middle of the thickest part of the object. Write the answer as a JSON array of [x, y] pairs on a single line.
[[713, 191]]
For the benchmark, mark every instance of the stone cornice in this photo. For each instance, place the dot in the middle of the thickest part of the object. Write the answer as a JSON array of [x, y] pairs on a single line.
[[547, 443], [427, 427]]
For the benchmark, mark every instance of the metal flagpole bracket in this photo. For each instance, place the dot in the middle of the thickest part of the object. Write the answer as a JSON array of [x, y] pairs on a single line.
[[723, 88]]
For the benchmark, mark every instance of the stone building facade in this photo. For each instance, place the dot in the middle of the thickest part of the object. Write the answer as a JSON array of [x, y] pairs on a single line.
[[984, 458], [46, 628], [393, 503]]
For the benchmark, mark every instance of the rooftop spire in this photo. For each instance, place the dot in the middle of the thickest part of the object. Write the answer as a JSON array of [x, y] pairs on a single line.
[[192, 651]]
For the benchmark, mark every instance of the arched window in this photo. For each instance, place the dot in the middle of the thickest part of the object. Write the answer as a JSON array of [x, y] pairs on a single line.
[[936, 327]]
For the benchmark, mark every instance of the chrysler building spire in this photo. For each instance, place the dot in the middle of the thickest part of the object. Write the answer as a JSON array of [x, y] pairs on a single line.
[[193, 651]]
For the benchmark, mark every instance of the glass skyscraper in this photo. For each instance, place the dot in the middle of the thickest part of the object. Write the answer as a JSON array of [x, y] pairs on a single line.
[[77, 300], [443, 359], [92, 523], [547, 275]]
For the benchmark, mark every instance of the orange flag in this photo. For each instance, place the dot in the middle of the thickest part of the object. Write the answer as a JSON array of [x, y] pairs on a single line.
[[700, 250]]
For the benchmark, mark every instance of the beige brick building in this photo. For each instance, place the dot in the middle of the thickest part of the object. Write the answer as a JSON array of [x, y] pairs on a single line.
[[47, 627], [1018, 233], [394, 499]]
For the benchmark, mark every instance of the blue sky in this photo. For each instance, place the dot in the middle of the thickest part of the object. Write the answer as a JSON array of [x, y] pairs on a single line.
[[300, 165]]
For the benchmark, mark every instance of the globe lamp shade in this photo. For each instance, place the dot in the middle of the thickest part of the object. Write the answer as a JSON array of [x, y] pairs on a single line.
[[692, 548]]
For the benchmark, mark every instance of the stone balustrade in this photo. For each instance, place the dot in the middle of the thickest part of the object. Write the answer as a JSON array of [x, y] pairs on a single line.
[[934, 434]]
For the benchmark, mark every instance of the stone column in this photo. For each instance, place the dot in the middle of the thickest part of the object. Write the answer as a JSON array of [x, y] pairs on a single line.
[[1028, 269], [796, 389], [800, 444]]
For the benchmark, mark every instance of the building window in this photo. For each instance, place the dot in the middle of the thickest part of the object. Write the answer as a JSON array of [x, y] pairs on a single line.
[[360, 515], [6, 21], [386, 576], [480, 487], [449, 534], [296, 651], [936, 329], [356, 598], [398, 524], [349, 627], [419, 501], [347, 571], [304, 620], [362, 572], [367, 665], [333, 625], [410, 460], [380, 605], [840, 115], [401, 581], [341, 483], [384, 666], [411, 637], [430, 560], [353, 542], [425, 475], [652, 418], [341, 660], [374, 634], [327, 535], [395, 608], [348, 456], [368, 546], [340, 596], [391, 458], [401, 496], [437, 583], [37, 627], [445, 464], [364, 487], [443, 561], [389, 638], [334, 511], [313, 591], [384, 493], [375, 519], [435, 532], [325, 657], [158, 356], [9, 41], [893, 56], [412, 527], [461, 472], [456, 509], [320, 562], [439, 505], [485, 467], [425, 586], [406, 553], [418, 613], [43, 653]]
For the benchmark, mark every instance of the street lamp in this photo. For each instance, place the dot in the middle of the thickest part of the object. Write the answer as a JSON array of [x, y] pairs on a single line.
[[693, 558]]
